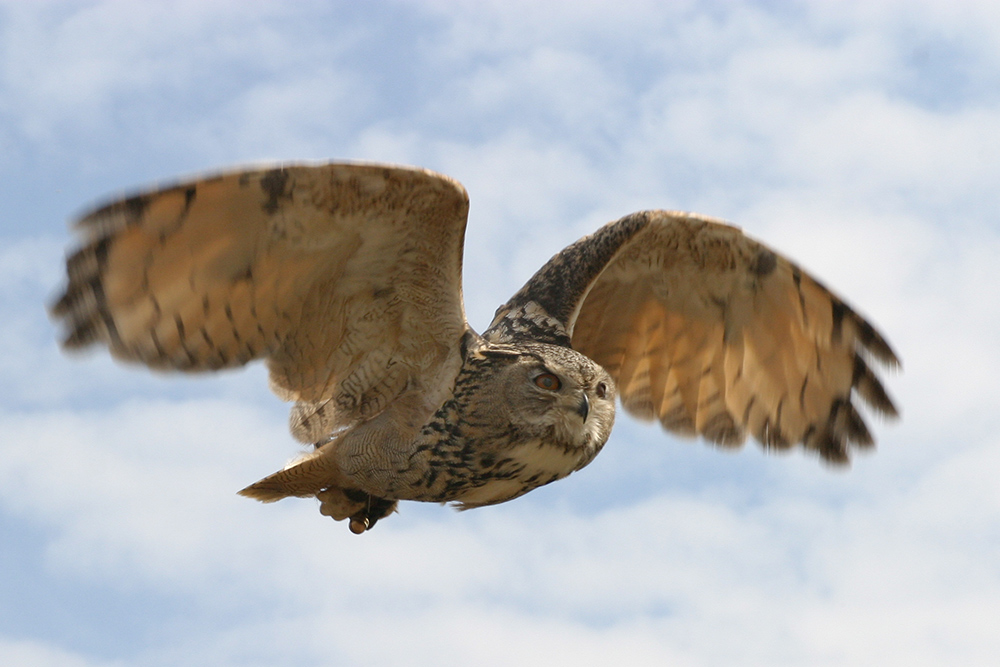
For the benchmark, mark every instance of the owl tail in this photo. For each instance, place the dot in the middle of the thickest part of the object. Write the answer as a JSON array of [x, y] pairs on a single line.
[[304, 477]]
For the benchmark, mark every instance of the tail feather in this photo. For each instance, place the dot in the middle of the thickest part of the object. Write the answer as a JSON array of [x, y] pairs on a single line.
[[303, 478]]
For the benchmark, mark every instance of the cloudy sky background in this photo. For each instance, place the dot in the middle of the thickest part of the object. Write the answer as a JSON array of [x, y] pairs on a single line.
[[861, 138]]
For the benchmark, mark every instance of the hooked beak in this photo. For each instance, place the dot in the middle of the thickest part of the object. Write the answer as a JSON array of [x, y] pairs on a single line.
[[584, 408]]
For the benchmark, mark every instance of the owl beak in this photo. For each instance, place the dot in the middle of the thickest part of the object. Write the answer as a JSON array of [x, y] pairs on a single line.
[[584, 408]]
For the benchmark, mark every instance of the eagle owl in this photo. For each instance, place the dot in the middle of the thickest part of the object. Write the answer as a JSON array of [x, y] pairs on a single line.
[[346, 279]]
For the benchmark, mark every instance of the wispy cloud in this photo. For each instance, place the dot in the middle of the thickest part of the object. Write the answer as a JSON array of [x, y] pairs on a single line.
[[860, 138]]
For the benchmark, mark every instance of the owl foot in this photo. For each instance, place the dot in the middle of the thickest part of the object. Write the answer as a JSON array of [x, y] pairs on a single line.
[[363, 509]]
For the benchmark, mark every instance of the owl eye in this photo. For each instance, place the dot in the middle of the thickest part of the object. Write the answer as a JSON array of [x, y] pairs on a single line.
[[602, 390], [548, 381]]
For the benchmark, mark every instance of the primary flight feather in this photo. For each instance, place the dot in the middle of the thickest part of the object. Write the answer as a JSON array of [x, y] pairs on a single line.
[[346, 278]]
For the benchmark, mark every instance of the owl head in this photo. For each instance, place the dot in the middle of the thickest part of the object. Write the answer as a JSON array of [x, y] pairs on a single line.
[[550, 393]]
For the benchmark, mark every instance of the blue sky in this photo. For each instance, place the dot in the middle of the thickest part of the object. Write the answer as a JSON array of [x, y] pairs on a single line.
[[860, 138]]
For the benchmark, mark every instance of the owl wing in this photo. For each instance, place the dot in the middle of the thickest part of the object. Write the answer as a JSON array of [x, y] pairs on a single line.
[[710, 332], [346, 278]]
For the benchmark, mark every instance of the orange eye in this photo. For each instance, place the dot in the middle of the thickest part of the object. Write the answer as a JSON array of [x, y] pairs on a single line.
[[548, 381]]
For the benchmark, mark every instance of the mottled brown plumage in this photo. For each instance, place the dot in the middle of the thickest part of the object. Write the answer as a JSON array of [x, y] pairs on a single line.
[[346, 278]]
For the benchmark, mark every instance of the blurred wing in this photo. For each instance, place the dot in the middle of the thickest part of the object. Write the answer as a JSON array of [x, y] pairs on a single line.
[[711, 333], [345, 277]]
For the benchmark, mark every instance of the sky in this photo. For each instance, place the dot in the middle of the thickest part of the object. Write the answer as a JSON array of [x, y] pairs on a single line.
[[861, 139]]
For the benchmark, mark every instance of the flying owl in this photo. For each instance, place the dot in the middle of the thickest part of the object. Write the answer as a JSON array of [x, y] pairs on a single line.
[[346, 279]]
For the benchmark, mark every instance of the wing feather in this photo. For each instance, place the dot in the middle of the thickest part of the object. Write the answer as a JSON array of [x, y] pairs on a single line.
[[710, 332], [346, 278]]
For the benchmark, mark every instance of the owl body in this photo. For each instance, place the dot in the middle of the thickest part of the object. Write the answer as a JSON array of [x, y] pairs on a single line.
[[346, 279], [519, 416]]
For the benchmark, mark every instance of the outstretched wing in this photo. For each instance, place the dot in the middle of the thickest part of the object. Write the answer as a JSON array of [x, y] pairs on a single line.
[[710, 332], [345, 277]]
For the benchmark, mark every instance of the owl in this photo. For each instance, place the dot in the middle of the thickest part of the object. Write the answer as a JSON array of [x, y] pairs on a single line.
[[346, 279]]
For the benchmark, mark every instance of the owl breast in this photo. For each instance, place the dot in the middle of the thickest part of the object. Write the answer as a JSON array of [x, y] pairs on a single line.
[[529, 464]]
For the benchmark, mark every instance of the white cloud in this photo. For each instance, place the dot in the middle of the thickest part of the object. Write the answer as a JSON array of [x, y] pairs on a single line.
[[686, 577], [804, 124], [32, 654]]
